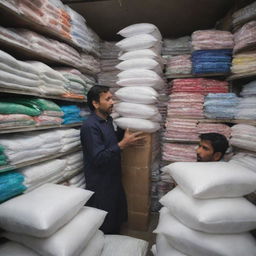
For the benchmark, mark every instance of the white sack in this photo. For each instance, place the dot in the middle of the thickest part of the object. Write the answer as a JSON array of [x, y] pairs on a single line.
[[137, 124], [143, 111], [220, 215], [138, 73], [142, 41], [136, 94], [95, 245], [70, 240], [117, 245], [144, 53], [140, 28], [15, 249], [212, 179], [198, 243], [43, 211], [163, 248], [157, 83]]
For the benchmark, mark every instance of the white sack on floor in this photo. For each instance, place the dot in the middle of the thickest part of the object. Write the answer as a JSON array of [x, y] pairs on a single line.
[[212, 179], [15, 249], [198, 243], [137, 124], [95, 245], [220, 215], [117, 245], [70, 240], [43, 211], [163, 247]]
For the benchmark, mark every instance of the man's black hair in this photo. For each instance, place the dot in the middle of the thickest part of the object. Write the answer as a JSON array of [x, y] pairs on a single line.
[[94, 94], [219, 142]]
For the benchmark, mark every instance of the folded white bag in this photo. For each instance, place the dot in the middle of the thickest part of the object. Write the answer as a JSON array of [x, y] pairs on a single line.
[[144, 53], [15, 249], [70, 240], [138, 42], [137, 124], [218, 215], [196, 243], [143, 111], [212, 179], [156, 83], [138, 73], [43, 211], [95, 245], [140, 28], [116, 245], [163, 248], [136, 94]]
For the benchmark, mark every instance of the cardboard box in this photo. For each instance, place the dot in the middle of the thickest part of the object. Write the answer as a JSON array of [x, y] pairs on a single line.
[[139, 203], [138, 221]]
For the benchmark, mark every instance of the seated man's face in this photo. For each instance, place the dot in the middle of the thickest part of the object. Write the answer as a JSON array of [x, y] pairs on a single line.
[[205, 152]]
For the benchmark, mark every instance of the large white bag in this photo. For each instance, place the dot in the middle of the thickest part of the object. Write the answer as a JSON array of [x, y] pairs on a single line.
[[138, 42], [137, 124], [70, 240], [196, 243], [95, 245], [15, 249], [156, 83], [212, 179], [143, 111], [136, 94], [163, 248], [220, 215], [138, 73], [140, 63], [43, 211], [140, 28], [116, 245]]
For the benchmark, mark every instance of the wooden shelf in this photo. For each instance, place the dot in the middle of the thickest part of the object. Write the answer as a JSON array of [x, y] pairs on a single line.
[[247, 48], [176, 76], [13, 91], [12, 19], [38, 160], [23, 52], [36, 128], [180, 141], [242, 76]]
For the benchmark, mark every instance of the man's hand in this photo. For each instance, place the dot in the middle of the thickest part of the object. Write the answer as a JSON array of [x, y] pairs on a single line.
[[131, 139]]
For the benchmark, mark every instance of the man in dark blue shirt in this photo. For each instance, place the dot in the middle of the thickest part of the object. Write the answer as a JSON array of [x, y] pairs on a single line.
[[102, 147]]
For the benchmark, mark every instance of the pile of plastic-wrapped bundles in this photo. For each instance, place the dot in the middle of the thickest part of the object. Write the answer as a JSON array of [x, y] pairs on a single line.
[[221, 105], [187, 217], [19, 148], [212, 51], [71, 114], [139, 78], [81, 34], [244, 61], [243, 136], [78, 83], [244, 15], [177, 65], [24, 111], [109, 60], [179, 46]]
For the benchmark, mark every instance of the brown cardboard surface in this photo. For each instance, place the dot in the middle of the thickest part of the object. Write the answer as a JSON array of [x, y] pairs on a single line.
[[138, 203], [138, 221]]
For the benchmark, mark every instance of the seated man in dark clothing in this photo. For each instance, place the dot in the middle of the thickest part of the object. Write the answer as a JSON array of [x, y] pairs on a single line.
[[212, 147]]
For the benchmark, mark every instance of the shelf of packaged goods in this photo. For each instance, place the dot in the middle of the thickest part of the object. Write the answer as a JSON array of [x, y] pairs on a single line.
[[247, 48], [177, 76], [36, 128], [242, 76], [38, 160], [14, 91], [24, 52], [11, 18]]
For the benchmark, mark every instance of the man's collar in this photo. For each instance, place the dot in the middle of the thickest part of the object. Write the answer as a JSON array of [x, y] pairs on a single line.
[[100, 119]]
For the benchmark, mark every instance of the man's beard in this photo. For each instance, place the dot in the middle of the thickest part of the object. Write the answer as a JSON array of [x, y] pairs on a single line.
[[106, 113]]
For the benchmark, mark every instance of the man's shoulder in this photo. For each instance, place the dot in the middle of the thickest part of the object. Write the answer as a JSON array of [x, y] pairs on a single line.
[[90, 121]]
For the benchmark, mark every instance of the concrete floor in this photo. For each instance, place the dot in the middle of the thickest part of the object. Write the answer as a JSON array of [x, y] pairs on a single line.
[[145, 235]]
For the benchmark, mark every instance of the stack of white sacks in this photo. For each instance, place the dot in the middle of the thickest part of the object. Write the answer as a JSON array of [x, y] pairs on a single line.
[[206, 214], [140, 77], [52, 220]]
